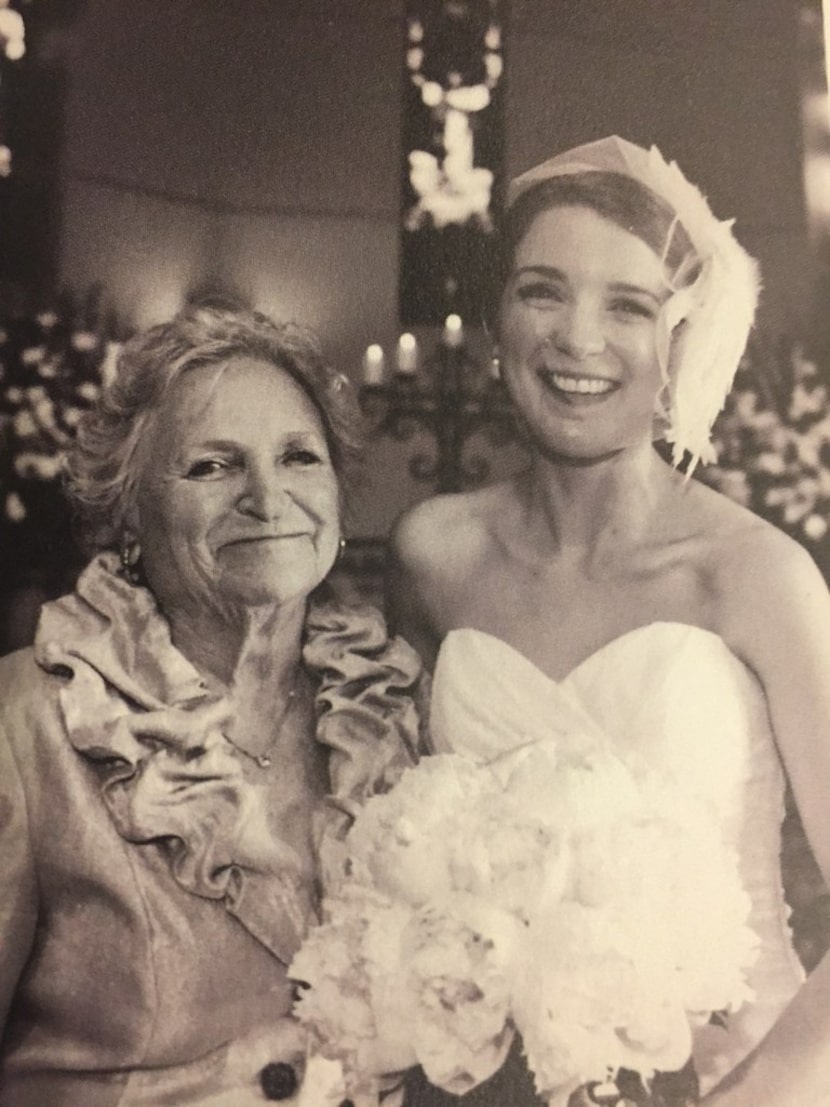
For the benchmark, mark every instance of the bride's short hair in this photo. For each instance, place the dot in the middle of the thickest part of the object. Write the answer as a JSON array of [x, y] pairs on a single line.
[[622, 200]]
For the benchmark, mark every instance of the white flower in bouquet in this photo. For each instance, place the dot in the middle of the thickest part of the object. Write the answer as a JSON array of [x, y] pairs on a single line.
[[644, 943], [572, 791], [353, 1002], [448, 828], [459, 975], [388, 987], [507, 856], [690, 939], [558, 890], [573, 987], [400, 842]]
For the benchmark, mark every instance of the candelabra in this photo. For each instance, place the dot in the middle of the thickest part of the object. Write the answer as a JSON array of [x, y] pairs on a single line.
[[449, 395]]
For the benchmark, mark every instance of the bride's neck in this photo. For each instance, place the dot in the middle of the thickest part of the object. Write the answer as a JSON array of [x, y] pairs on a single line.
[[584, 506]]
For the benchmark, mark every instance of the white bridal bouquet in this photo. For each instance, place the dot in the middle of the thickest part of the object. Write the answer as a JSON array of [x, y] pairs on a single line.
[[552, 892]]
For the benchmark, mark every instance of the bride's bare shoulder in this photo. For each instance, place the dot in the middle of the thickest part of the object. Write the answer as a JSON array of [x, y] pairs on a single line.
[[738, 540], [445, 534], [435, 550], [756, 570]]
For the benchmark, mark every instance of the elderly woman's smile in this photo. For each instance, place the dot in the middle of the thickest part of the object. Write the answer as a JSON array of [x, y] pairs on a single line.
[[237, 500]]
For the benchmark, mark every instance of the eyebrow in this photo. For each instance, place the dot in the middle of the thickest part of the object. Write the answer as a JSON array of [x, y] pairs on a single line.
[[211, 444], [554, 274], [291, 438]]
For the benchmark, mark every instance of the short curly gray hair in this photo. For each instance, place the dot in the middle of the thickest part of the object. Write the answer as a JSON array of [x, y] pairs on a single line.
[[102, 469]]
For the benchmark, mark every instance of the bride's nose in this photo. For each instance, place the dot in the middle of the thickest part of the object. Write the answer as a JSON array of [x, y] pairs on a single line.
[[578, 331]]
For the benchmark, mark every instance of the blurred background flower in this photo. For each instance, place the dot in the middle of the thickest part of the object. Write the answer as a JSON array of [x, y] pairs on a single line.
[[773, 445], [52, 364]]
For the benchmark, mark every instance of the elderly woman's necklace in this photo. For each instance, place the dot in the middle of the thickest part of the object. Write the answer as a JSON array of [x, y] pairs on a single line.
[[264, 757]]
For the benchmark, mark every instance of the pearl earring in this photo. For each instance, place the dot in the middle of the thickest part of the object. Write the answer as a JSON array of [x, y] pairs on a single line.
[[130, 557]]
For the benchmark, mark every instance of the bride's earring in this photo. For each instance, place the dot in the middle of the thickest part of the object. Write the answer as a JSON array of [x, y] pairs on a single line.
[[495, 364], [130, 555]]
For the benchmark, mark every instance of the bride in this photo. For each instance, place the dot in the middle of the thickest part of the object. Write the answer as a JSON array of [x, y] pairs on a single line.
[[695, 633]]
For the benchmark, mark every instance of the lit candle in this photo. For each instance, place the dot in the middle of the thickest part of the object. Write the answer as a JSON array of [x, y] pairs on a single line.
[[453, 330], [407, 354], [373, 365]]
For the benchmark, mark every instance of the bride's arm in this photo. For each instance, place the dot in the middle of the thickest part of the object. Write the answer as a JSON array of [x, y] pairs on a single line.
[[778, 619], [411, 562]]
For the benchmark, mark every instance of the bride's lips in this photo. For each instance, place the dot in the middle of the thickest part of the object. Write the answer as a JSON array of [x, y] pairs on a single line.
[[577, 388]]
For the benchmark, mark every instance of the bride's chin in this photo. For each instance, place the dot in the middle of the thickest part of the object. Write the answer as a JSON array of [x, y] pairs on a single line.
[[576, 454]]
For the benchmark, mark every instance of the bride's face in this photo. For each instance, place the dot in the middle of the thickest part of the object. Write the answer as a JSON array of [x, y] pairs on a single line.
[[578, 333]]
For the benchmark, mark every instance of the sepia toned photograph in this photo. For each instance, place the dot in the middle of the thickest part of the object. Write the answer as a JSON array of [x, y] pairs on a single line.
[[414, 553]]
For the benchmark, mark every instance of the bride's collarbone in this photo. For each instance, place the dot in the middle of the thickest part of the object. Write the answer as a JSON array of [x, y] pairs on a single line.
[[558, 620]]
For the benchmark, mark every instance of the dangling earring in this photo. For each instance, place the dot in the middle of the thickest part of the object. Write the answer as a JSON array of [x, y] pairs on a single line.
[[495, 364], [341, 549], [662, 410], [130, 558]]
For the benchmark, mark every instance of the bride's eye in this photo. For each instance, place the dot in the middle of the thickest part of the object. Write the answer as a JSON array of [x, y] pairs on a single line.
[[540, 293], [630, 306]]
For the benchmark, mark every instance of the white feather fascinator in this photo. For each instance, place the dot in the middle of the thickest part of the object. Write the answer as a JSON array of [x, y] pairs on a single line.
[[704, 325]]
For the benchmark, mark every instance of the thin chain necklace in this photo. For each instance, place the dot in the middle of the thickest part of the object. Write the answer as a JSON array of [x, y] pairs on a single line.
[[263, 760]]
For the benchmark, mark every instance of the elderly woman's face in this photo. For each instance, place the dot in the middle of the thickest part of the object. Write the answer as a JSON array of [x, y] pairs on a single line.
[[237, 502]]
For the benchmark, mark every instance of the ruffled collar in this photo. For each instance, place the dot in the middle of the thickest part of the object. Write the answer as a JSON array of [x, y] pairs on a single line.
[[137, 708]]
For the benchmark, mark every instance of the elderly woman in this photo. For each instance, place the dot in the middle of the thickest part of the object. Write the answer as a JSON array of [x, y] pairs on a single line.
[[191, 731], [602, 585]]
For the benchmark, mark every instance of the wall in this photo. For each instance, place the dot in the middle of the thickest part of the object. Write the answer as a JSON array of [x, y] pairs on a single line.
[[712, 82], [256, 143]]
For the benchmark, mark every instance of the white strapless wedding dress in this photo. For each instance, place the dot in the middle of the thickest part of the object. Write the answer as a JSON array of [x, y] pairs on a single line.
[[672, 696]]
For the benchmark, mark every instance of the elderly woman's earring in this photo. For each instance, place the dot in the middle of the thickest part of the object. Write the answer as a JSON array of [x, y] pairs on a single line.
[[130, 558]]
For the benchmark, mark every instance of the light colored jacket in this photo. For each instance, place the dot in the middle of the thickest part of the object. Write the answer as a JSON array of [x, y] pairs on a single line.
[[144, 931]]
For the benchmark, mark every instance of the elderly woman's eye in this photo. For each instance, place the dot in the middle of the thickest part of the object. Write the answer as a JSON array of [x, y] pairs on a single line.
[[302, 457], [209, 468]]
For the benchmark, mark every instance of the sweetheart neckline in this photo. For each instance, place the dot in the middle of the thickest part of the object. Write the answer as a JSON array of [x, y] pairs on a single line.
[[607, 646]]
